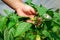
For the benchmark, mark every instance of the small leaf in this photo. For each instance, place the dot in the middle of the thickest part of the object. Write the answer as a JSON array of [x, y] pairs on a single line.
[[11, 24], [3, 22], [56, 18], [29, 36], [6, 34], [55, 28], [57, 10], [29, 2], [46, 33], [7, 12], [13, 17], [38, 37]]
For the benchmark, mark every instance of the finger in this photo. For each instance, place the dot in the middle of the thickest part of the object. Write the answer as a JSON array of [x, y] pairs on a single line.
[[31, 16], [27, 12], [30, 13], [21, 13], [32, 10], [30, 21]]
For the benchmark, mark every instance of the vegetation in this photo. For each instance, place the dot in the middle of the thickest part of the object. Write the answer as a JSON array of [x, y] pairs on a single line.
[[14, 27]]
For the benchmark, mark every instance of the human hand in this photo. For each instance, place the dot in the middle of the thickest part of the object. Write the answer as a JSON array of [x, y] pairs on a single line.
[[25, 11], [28, 11]]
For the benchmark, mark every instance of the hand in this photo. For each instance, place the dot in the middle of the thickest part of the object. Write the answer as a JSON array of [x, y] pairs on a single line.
[[25, 11]]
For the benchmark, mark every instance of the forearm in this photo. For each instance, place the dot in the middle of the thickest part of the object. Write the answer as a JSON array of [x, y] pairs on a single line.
[[14, 3]]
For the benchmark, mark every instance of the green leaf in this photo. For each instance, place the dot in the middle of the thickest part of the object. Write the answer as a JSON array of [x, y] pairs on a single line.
[[57, 22], [29, 2], [50, 12], [56, 18], [56, 14], [11, 24], [8, 34], [55, 36], [41, 10], [46, 33], [1, 39], [57, 10], [13, 19], [29, 36], [55, 28], [48, 24], [3, 22], [11, 33], [22, 28], [7, 12]]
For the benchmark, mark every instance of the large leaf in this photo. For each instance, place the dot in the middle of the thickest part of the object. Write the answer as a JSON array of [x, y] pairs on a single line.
[[11, 33], [41, 10], [13, 19], [22, 28], [8, 34]]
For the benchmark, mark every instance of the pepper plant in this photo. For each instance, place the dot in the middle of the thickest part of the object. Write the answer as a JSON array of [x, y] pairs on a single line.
[[14, 27]]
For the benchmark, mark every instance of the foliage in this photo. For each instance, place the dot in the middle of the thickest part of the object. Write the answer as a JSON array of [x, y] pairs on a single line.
[[14, 27]]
